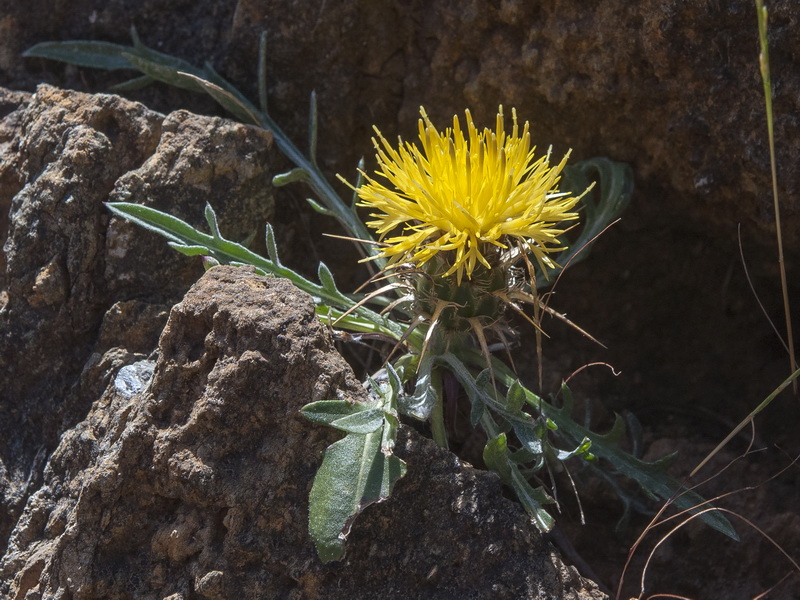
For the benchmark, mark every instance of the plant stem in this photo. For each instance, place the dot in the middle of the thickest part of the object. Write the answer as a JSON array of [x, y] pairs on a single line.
[[438, 430], [765, 76]]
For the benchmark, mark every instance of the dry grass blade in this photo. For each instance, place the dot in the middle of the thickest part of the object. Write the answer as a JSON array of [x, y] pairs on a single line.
[[765, 76], [748, 419]]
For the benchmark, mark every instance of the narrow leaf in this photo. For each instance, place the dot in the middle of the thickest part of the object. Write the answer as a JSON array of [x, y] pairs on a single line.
[[272, 247], [188, 250], [162, 72], [293, 176], [132, 85], [211, 219], [326, 278], [97, 55], [317, 206]]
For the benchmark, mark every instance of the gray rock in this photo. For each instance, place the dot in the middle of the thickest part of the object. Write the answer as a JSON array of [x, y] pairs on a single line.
[[198, 488], [134, 379]]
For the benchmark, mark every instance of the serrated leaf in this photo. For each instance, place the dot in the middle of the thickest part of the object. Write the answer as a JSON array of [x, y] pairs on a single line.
[[497, 458], [651, 477], [617, 432], [228, 252], [354, 473], [532, 499]]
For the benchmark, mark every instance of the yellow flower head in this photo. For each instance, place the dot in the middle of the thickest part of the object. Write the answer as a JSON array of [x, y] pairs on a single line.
[[462, 195]]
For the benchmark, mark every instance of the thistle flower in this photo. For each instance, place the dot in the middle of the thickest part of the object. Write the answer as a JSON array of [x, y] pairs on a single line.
[[466, 198]]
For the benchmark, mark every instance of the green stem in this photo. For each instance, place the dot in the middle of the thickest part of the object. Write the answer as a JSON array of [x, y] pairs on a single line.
[[438, 430], [765, 76]]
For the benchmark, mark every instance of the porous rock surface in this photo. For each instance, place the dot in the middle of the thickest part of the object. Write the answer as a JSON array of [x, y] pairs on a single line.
[[81, 293], [670, 86], [197, 486]]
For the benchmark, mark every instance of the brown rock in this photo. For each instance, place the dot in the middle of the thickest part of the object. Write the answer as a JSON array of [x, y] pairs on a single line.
[[671, 87], [75, 281], [198, 486]]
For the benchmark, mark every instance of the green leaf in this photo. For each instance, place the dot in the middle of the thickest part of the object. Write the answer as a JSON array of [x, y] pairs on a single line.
[[328, 411], [532, 499], [354, 474], [293, 176], [476, 411], [272, 247], [530, 436], [495, 455], [229, 97], [420, 404], [515, 398], [132, 85], [211, 219], [395, 384], [170, 74], [365, 421], [312, 127], [601, 206], [651, 477], [497, 458], [97, 55], [188, 250], [326, 278], [317, 206], [227, 252]]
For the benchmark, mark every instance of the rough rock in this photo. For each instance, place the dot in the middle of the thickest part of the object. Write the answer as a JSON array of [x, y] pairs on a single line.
[[197, 487], [670, 86], [78, 284]]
